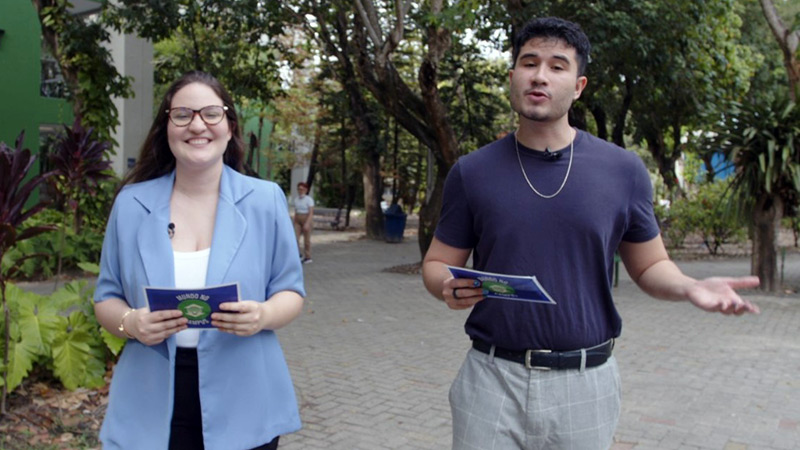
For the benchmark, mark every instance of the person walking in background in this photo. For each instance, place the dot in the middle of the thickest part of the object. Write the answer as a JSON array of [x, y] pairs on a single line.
[[542, 376], [303, 220], [186, 217]]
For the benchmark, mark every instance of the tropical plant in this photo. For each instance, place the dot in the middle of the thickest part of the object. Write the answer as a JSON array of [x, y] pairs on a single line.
[[15, 192], [60, 333], [37, 258], [80, 164], [763, 141]]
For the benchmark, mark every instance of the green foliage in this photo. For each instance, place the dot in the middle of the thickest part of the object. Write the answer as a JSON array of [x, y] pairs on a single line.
[[35, 258], [763, 141], [715, 220], [78, 45], [793, 223], [677, 222], [236, 40], [704, 212], [80, 163], [473, 90], [15, 191], [60, 333]]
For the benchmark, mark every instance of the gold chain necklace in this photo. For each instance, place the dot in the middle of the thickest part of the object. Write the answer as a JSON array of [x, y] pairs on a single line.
[[571, 153]]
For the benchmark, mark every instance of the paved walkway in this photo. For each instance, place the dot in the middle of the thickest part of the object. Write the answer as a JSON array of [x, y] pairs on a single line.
[[373, 356]]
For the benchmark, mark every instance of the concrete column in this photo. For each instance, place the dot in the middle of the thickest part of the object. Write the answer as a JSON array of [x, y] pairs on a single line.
[[133, 57]]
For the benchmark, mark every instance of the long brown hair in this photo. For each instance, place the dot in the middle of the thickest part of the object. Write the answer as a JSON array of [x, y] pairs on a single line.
[[156, 158]]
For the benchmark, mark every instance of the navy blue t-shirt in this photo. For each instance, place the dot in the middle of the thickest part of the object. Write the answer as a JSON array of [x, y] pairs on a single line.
[[567, 242]]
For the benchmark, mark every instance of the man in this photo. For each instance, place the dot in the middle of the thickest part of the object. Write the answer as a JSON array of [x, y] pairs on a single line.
[[303, 221], [542, 375]]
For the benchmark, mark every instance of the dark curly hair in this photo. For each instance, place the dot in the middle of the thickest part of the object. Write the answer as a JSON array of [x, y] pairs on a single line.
[[554, 28]]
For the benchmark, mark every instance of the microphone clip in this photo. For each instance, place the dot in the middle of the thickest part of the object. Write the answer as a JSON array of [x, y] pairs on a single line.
[[551, 156]]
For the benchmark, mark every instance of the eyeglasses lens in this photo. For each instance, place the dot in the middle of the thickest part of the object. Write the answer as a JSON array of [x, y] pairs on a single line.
[[211, 115]]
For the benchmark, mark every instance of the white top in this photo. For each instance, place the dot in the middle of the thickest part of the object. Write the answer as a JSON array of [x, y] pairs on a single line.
[[190, 273], [302, 204]]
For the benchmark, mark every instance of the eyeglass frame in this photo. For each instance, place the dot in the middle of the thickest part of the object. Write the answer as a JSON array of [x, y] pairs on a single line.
[[197, 112]]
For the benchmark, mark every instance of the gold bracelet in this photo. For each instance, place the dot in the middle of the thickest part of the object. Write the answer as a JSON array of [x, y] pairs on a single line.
[[121, 326]]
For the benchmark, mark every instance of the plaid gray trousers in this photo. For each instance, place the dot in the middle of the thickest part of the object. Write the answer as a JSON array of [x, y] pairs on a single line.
[[501, 405]]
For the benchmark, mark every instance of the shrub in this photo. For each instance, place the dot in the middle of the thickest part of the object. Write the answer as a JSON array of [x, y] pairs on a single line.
[[704, 212], [60, 333], [715, 221]]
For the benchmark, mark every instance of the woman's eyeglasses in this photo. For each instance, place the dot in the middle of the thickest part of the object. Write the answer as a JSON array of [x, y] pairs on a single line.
[[211, 115]]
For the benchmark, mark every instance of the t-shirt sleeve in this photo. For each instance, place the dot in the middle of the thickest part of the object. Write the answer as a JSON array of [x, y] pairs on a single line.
[[642, 223], [287, 273], [455, 227]]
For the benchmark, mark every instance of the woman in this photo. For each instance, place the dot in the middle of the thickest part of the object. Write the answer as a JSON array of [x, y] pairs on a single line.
[[187, 218], [303, 220]]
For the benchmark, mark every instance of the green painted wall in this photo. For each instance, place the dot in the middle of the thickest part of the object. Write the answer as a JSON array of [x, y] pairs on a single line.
[[21, 105]]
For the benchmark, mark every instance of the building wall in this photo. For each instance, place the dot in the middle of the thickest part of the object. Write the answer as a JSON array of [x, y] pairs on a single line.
[[21, 105]]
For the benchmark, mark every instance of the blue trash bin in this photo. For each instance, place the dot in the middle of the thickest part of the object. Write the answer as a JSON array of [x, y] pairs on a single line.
[[394, 224]]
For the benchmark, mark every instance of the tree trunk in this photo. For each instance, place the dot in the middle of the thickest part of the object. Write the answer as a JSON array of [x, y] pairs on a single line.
[[413, 195], [424, 115], [367, 128], [666, 164], [766, 227], [312, 169], [446, 148], [708, 164], [600, 118], [788, 41], [430, 209], [343, 186], [373, 192], [395, 169], [618, 133]]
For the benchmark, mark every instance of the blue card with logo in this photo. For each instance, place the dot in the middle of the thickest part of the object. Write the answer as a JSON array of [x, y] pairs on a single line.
[[197, 305], [506, 287]]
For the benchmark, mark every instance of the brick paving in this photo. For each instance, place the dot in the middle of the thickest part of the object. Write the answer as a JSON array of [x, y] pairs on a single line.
[[373, 355]]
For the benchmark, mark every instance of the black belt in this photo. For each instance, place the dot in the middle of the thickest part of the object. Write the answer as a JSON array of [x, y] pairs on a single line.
[[548, 359]]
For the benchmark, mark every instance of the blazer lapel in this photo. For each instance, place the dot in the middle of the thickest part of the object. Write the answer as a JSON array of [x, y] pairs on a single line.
[[229, 227], [152, 238]]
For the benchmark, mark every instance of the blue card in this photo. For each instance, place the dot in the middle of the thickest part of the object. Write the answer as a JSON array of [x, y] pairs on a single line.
[[195, 304], [506, 287]]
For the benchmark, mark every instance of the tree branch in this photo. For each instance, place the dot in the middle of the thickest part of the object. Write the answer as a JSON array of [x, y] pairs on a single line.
[[787, 40], [366, 10]]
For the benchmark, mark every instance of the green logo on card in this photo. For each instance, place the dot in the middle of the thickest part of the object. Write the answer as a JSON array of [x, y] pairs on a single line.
[[498, 288], [194, 309]]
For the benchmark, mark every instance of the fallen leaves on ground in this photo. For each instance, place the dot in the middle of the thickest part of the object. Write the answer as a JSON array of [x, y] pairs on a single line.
[[43, 415]]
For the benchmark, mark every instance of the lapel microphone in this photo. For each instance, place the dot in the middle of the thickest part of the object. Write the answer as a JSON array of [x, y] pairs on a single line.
[[551, 156], [171, 230]]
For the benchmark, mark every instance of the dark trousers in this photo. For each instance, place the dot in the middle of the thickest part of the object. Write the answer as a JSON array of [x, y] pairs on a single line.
[[186, 430]]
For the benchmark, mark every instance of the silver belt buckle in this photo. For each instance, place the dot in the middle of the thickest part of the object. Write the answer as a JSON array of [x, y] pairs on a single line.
[[528, 354]]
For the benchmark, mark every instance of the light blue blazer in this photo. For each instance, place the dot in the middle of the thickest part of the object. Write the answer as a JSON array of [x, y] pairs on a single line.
[[246, 394]]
